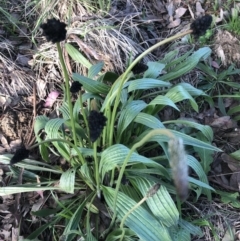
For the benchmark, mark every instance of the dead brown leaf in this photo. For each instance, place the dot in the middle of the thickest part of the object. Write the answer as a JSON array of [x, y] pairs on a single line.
[[191, 12], [232, 163], [159, 6], [235, 180], [223, 122], [170, 9], [174, 23], [199, 9], [180, 12], [4, 141]]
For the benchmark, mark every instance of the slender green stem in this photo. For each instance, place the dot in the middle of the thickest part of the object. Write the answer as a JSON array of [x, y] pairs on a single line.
[[123, 78], [84, 115], [128, 213], [60, 140], [66, 78], [135, 146], [106, 129], [96, 169]]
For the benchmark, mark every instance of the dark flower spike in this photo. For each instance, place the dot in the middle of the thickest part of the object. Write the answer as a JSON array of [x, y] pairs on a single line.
[[54, 30], [139, 67], [200, 25], [96, 123], [20, 154], [75, 87]]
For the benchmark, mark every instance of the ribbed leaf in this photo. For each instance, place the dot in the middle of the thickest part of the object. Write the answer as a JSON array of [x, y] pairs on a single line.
[[39, 124], [206, 130], [127, 115], [178, 93], [41, 229], [169, 56], [175, 63], [52, 130], [124, 96], [187, 140], [163, 100], [194, 230], [206, 156], [116, 234], [199, 183], [178, 234], [196, 166], [73, 223], [77, 111], [146, 83], [132, 193], [188, 64], [90, 237], [235, 155], [154, 69], [91, 85], [192, 90], [24, 188], [30, 164], [149, 121], [114, 156], [77, 56], [231, 84], [84, 151], [95, 69], [67, 181], [87, 175], [234, 110], [140, 221], [65, 111], [161, 204], [87, 96]]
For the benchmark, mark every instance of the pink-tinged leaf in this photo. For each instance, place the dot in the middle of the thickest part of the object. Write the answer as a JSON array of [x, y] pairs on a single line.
[[180, 12], [215, 64], [40, 193], [52, 97]]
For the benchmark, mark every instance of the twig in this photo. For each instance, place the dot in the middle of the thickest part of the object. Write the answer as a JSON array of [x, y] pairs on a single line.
[[29, 142]]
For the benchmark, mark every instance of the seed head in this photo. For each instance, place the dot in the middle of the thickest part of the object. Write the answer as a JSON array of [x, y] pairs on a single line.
[[178, 163], [54, 30], [20, 154], [153, 190], [96, 123], [139, 67], [75, 87], [200, 25]]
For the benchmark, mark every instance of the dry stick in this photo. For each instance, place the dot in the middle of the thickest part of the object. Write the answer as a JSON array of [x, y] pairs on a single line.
[[29, 142]]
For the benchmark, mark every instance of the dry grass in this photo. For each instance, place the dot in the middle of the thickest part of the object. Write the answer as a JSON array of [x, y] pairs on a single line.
[[221, 220], [14, 80]]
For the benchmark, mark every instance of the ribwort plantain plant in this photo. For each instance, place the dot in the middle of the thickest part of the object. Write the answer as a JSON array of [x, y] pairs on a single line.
[[116, 128]]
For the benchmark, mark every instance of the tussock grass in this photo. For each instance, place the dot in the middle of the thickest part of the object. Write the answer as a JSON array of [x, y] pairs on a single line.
[[14, 80]]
